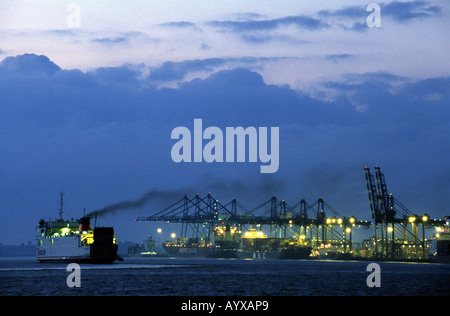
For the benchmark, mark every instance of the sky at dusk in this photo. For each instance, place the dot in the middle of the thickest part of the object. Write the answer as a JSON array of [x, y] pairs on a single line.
[[90, 92]]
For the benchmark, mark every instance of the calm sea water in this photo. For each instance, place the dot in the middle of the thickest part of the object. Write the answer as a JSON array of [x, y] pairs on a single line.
[[222, 277]]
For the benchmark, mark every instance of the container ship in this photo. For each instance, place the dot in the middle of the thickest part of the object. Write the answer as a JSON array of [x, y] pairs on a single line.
[[229, 243], [256, 245], [146, 249], [225, 244], [74, 241], [440, 245]]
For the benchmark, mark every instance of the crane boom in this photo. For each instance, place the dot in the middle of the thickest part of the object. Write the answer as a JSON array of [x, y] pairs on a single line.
[[373, 196]]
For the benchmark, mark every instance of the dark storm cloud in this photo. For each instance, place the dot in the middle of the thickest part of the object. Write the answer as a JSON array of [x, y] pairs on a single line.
[[119, 75], [124, 90], [120, 93], [27, 64]]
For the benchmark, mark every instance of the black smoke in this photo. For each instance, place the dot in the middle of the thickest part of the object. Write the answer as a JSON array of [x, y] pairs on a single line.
[[158, 197], [260, 191]]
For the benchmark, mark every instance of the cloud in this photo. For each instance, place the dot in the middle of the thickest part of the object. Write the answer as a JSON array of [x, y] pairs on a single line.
[[28, 63], [122, 38], [169, 70], [172, 71], [258, 29], [338, 57], [109, 40], [406, 11], [300, 21], [347, 12], [399, 11], [265, 38], [180, 24], [244, 16], [223, 94]]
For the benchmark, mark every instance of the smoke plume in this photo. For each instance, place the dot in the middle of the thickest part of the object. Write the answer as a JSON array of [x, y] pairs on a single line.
[[259, 190], [156, 196]]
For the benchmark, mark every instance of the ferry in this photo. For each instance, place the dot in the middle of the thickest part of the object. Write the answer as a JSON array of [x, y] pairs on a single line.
[[75, 241]]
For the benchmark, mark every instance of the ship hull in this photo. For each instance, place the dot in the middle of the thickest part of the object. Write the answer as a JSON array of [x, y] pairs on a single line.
[[200, 252], [289, 253], [187, 252], [62, 255], [73, 248], [209, 252], [440, 259]]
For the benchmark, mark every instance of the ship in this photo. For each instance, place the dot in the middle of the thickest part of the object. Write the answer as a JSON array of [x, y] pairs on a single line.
[[75, 241], [146, 249], [188, 248], [229, 243], [256, 245], [440, 245], [227, 240]]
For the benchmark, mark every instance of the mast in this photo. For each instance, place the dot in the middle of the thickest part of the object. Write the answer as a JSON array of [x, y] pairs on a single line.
[[61, 206]]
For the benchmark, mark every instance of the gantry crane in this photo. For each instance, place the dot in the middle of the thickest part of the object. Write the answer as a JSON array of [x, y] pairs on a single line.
[[387, 211]]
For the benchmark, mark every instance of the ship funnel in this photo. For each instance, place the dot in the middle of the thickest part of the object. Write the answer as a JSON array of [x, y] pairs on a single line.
[[85, 224]]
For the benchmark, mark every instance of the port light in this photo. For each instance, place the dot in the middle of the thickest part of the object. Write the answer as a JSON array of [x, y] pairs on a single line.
[[65, 231], [87, 238], [251, 233], [412, 219]]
